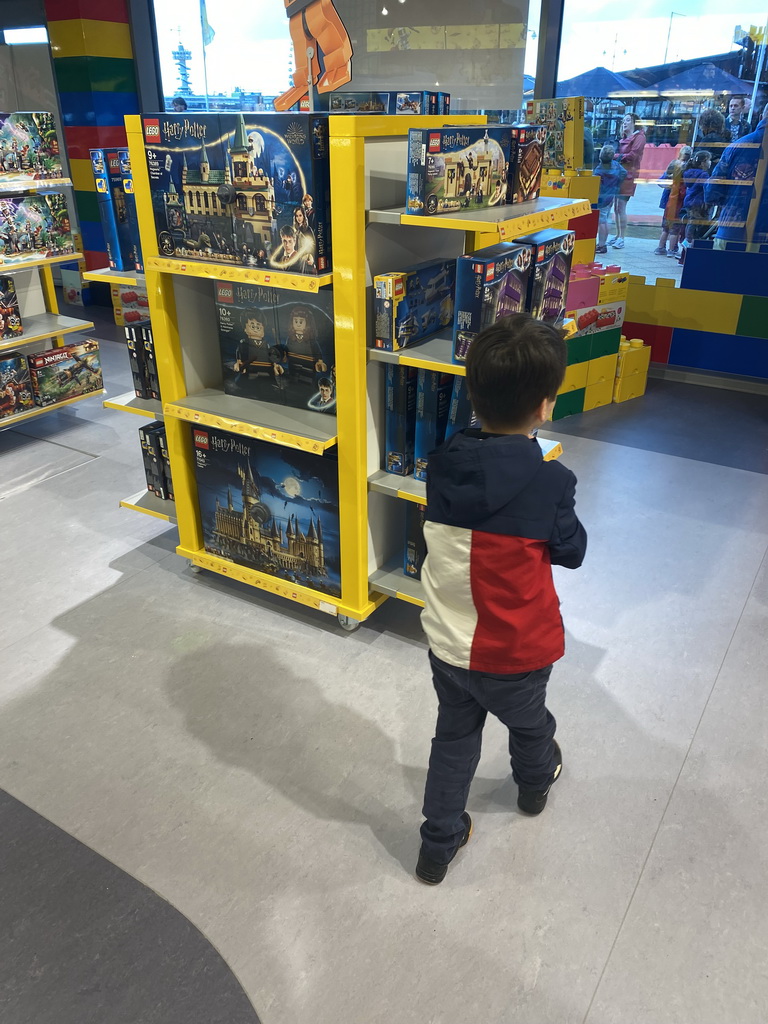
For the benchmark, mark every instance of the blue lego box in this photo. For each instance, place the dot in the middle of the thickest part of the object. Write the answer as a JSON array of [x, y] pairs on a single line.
[[551, 256], [271, 508], [413, 303], [460, 414], [433, 399], [415, 544], [490, 284], [242, 189], [130, 205], [113, 207], [451, 169], [400, 427]]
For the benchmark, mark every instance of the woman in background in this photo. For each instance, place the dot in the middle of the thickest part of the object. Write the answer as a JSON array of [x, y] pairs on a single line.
[[629, 155]]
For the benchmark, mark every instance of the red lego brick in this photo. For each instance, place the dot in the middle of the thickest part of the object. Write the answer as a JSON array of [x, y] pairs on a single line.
[[659, 338], [586, 226], [81, 140], [96, 260], [96, 10]]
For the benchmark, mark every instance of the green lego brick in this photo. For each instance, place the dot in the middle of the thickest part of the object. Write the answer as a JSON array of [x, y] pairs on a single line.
[[87, 205], [605, 343], [579, 350], [753, 319], [95, 74], [569, 403]]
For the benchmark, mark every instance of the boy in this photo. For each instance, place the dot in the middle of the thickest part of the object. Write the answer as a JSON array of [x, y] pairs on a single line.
[[498, 517], [611, 175]]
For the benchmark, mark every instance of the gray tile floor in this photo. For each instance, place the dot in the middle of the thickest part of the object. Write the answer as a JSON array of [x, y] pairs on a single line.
[[263, 771]]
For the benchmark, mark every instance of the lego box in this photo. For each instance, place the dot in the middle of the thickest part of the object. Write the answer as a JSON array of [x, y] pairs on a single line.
[[457, 168], [564, 120], [15, 385], [400, 422], [551, 255], [490, 284], [415, 544], [10, 318], [59, 374], [381, 102], [271, 508], [460, 414], [433, 399], [244, 189], [29, 147], [113, 209], [411, 304], [526, 162], [594, 319], [277, 349], [34, 226]]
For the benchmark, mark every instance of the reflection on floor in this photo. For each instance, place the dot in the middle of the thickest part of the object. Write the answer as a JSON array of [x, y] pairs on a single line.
[[263, 771]]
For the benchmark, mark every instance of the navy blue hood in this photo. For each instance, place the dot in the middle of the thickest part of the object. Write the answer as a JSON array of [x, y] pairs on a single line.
[[474, 475]]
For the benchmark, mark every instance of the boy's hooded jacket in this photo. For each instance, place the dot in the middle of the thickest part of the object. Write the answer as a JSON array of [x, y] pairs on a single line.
[[498, 516]]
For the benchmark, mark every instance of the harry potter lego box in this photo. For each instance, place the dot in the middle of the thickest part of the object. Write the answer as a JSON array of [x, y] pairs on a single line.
[[243, 189], [271, 508], [451, 169], [277, 349]]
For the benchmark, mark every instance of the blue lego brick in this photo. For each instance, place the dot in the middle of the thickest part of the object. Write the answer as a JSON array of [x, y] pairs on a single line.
[[718, 270], [83, 109], [719, 353], [93, 235]]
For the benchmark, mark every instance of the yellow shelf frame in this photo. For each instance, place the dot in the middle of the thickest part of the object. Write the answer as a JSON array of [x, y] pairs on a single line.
[[148, 408], [106, 275], [41, 409], [150, 505], [348, 135]]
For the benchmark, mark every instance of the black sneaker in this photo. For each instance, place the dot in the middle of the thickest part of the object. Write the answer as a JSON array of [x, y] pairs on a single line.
[[533, 801], [431, 873]]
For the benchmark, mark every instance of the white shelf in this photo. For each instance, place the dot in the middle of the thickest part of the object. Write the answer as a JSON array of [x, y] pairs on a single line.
[[392, 581], [109, 276], [9, 264], [11, 421], [45, 325], [150, 408], [406, 487], [29, 186], [432, 354], [279, 424], [151, 505]]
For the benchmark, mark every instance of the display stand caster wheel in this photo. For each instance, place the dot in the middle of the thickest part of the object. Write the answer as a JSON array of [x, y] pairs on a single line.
[[350, 625], [195, 568]]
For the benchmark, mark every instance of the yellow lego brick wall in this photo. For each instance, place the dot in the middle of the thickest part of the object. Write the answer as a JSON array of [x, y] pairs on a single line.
[[596, 395], [664, 305]]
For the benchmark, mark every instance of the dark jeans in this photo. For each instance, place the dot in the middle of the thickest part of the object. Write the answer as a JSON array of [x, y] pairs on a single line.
[[465, 698]]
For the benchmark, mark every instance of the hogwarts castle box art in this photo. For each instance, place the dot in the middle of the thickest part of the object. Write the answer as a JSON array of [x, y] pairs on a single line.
[[275, 348], [270, 508], [243, 189]]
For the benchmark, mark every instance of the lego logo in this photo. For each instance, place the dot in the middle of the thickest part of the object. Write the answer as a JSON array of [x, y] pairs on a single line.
[[434, 144], [225, 293], [151, 130], [201, 439], [399, 288], [490, 271]]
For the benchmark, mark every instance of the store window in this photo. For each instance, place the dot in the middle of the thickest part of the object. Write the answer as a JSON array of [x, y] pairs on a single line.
[[670, 92], [237, 55]]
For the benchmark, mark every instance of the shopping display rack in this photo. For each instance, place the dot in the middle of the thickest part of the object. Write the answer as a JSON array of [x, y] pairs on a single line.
[[371, 234]]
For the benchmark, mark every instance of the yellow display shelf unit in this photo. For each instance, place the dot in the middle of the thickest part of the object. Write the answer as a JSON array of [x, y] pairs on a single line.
[[149, 408], [41, 326], [368, 156], [149, 503], [31, 414], [107, 275]]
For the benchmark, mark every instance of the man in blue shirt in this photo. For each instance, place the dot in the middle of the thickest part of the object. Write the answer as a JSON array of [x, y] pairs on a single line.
[[739, 187]]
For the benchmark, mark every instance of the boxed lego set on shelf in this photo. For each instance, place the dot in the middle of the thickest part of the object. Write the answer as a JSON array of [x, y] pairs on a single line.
[[380, 103], [11, 324], [29, 149], [157, 465], [48, 378], [141, 350], [117, 208], [34, 227]]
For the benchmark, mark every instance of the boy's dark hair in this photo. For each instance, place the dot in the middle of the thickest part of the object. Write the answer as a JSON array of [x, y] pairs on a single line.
[[512, 367]]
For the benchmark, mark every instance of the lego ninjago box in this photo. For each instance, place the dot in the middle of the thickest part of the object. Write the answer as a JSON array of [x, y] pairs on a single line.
[[242, 188], [29, 147], [490, 284], [451, 169], [276, 346], [34, 226], [59, 374], [10, 318], [269, 507], [15, 387]]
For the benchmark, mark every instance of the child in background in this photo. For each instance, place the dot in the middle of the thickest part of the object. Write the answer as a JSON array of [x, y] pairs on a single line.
[[671, 203], [611, 176], [696, 212]]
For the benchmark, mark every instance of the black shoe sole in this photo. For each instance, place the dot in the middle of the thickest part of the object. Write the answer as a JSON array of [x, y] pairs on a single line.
[[541, 796], [437, 881]]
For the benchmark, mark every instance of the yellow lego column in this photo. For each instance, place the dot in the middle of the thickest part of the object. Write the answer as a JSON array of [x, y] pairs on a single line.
[[632, 370]]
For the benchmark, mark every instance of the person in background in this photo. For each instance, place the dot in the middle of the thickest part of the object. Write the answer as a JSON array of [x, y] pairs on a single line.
[[696, 210], [671, 203], [711, 133], [179, 105], [736, 124], [589, 147], [630, 155], [732, 189], [611, 175]]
